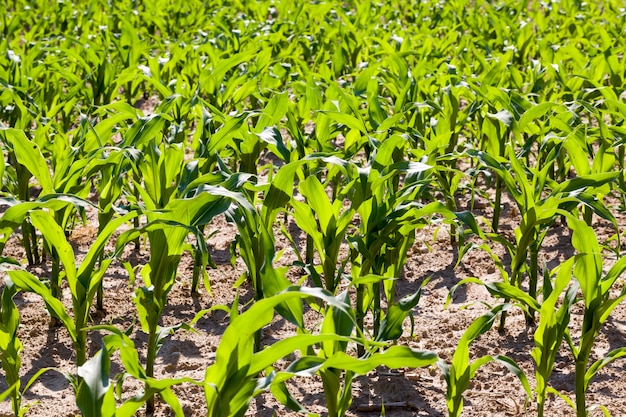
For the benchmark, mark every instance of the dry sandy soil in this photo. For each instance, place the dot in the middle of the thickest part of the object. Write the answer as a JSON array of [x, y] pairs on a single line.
[[408, 392]]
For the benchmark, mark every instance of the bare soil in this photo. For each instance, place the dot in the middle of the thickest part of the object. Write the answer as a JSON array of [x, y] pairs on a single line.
[[408, 392]]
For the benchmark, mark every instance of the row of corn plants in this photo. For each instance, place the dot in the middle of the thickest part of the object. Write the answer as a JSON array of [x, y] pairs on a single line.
[[362, 124]]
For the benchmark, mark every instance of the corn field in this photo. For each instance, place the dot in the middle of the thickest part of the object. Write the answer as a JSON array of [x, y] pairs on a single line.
[[321, 208]]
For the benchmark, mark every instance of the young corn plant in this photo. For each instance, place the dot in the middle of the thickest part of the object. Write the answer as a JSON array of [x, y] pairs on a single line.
[[552, 328], [95, 391], [257, 248], [25, 161], [596, 288], [461, 371], [160, 173], [372, 273], [240, 373], [325, 222], [19, 212], [389, 216], [83, 281], [281, 194], [337, 381], [71, 177], [167, 230], [237, 377], [11, 350]]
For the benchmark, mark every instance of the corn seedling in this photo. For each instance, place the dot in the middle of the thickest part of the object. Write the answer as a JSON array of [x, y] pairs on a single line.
[[96, 392], [552, 328], [83, 281], [461, 371], [11, 349], [167, 231], [257, 248], [599, 303]]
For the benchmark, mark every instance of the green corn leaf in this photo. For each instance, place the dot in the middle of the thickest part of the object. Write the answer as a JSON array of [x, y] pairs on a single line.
[[119, 340], [316, 197], [510, 364], [274, 281], [275, 110], [503, 116], [28, 282], [601, 363], [225, 133], [36, 376], [552, 326], [612, 275], [274, 139], [605, 309], [391, 325], [18, 211], [94, 384], [142, 131], [346, 120], [28, 154], [172, 400], [588, 266], [500, 290], [281, 393], [368, 279], [535, 112], [225, 379], [584, 181], [394, 357], [55, 236], [9, 392], [282, 348]]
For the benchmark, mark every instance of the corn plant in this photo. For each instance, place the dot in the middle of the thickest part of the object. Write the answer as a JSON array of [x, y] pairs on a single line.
[[11, 349], [27, 161], [83, 281], [460, 372], [325, 223], [96, 392], [387, 227], [394, 357], [599, 304], [552, 328], [18, 212], [233, 380], [167, 231], [337, 381], [149, 151], [71, 177], [235, 377], [257, 248]]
